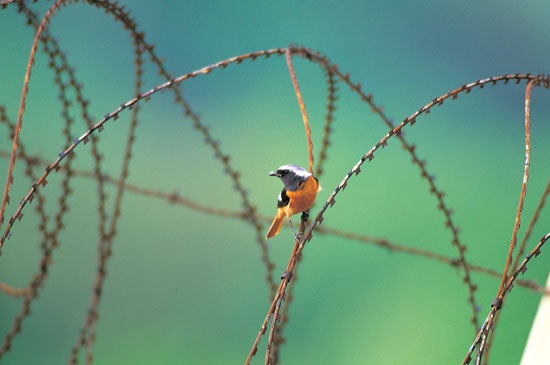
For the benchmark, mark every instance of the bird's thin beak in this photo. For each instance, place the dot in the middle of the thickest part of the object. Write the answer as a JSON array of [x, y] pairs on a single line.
[[273, 173]]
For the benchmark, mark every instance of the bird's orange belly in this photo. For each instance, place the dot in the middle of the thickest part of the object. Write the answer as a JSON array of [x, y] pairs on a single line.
[[304, 197]]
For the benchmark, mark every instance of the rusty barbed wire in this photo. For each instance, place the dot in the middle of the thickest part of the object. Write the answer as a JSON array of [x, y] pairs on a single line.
[[384, 243], [302, 106], [331, 200], [30, 63], [49, 237], [496, 305], [439, 194], [107, 227], [355, 170], [120, 14], [512, 262], [113, 115], [31, 291], [532, 222], [87, 334], [329, 118]]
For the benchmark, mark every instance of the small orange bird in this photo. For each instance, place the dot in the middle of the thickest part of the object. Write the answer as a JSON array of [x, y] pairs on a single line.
[[298, 195]]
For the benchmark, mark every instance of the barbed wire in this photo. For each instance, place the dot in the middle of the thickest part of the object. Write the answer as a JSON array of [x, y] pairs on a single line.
[[51, 225]]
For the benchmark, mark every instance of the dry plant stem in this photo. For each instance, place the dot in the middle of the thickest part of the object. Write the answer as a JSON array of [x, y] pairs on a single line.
[[302, 108], [506, 271], [486, 339], [12, 291], [510, 267], [483, 339], [534, 220]]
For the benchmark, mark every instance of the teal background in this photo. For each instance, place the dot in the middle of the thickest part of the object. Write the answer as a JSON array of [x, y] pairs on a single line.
[[186, 287]]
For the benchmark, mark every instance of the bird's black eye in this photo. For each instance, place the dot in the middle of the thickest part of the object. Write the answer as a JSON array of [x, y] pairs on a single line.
[[283, 172]]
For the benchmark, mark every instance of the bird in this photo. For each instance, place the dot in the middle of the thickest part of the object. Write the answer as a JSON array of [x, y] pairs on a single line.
[[298, 195]]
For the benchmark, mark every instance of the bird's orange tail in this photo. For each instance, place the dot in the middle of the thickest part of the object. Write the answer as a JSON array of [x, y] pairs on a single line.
[[276, 225]]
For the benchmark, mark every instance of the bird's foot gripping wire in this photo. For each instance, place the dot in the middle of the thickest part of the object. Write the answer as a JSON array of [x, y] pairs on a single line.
[[286, 275]]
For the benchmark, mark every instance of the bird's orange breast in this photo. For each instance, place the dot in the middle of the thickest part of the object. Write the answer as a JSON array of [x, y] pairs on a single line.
[[302, 198]]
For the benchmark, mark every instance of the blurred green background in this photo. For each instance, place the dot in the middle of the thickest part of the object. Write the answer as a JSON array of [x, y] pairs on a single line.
[[187, 287]]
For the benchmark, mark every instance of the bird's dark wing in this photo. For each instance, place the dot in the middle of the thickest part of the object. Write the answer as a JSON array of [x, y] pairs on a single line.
[[283, 199]]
